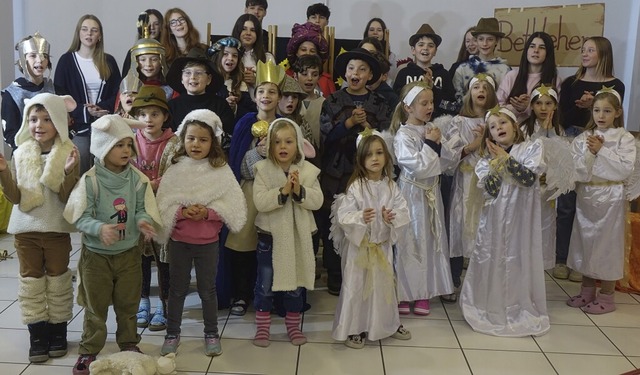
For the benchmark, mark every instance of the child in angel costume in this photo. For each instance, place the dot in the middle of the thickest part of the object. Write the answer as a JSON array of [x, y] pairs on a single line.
[[503, 293], [366, 222]]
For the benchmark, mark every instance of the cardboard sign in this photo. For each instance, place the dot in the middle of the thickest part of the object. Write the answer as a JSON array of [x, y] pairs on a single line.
[[568, 25]]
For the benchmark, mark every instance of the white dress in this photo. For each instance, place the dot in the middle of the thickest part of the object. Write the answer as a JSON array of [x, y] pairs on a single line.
[[466, 197], [422, 254], [597, 238], [367, 301], [548, 208], [503, 293]]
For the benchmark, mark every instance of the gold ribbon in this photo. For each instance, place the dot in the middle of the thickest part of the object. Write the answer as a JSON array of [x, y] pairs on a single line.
[[430, 193], [372, 259], [603, 183]]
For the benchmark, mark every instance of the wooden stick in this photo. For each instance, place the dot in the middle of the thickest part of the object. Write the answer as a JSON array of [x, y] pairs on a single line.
[[210, 41], [386, 44]]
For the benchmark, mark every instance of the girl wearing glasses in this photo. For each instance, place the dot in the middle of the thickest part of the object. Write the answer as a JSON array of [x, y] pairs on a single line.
[[179, 35]]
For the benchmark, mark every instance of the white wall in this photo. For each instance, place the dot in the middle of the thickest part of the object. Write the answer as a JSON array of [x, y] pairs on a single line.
[[57, 19]]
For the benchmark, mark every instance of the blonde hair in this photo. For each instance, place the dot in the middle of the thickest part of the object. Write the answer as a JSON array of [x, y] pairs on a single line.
[[400, 115], [275, 127], [486, 134], [99, 57], [604, 68], [468, 110], [618, 122]]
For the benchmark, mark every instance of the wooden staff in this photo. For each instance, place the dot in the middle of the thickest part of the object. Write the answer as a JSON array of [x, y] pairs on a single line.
[[386, 44]]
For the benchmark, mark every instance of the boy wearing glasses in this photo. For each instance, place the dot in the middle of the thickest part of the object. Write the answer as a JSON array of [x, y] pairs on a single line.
[[197, 81]]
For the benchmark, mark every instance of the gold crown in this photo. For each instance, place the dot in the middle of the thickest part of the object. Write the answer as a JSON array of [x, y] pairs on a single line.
[[269, 72]]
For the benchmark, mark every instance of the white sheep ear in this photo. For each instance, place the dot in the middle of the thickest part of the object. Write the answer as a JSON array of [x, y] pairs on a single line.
[[69, 102]]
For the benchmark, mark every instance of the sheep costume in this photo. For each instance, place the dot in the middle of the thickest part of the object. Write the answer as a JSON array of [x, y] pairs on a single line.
[[190, 181]]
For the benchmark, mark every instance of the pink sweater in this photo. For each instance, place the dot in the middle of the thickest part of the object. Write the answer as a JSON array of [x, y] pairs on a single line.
[[197, 232]]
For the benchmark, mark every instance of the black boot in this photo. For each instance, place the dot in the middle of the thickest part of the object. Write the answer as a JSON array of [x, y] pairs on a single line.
[[57, 340], [39, 350]]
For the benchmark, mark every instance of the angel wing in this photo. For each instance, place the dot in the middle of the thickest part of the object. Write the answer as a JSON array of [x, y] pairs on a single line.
[[561, 174], [632, 183], [337, 234]]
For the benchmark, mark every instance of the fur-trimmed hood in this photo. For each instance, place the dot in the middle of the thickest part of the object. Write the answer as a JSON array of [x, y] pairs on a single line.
[[196, 182]]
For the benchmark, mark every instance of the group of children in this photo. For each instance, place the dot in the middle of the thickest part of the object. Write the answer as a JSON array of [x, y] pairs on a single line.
[[397, 194]]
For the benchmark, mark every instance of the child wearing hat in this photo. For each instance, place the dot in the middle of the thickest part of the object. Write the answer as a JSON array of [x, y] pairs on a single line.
[[33, 62], [46, 167], [307, 39], [424, 46], [196, 79], [156, 145], [344, 114], [112, 205], [487, 34]]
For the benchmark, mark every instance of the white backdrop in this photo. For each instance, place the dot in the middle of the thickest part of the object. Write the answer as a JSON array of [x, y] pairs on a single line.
[[56, 20]]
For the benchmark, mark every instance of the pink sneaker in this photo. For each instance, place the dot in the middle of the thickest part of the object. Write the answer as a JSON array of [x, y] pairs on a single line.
[[422, 307], [403, 308]]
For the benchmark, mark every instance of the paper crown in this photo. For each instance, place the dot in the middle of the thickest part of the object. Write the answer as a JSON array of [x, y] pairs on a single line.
[[269, 72], [544, 90], [32, 44], [497, 110], [482, 77], [610, 90]]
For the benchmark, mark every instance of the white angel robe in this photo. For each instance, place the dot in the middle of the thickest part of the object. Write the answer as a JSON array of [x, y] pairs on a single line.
[[597, 238], [503, 293], [422, 253], [466, 197], [367, 301], [548, 208]]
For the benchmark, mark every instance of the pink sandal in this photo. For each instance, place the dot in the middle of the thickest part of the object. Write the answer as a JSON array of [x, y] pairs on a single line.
[[422, 307], [586, 296], [602, 305]]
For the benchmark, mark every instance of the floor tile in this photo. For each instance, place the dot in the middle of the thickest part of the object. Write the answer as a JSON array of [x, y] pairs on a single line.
[[576, 340], [322, 302], [626, 339], [411, 361], [241, 356], [426, 333], [555, 292], [560, 313], [318, 328], [453, 311], [635, 361], [470, 339], [571, 364], [336, 358], [625, 315], [492, 362], [14, 368]]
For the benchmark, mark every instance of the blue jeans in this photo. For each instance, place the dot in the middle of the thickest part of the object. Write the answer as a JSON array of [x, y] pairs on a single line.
[[263, 300]]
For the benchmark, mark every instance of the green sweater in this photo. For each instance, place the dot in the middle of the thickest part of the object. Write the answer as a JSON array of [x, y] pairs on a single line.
[[117, 202]]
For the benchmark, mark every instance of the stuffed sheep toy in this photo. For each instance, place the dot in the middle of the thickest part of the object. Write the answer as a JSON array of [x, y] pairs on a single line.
[[133, 363]]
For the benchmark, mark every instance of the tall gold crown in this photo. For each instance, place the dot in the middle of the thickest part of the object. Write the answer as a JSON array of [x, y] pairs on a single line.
[[269, 72]]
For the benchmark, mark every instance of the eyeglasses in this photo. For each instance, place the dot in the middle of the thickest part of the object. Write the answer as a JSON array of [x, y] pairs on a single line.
[[194, 73], [177, 22]]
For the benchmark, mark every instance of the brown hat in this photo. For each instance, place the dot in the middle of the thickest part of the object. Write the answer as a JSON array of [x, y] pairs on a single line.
[[291, 86], [425, 30], [488, 26], [149, 95]]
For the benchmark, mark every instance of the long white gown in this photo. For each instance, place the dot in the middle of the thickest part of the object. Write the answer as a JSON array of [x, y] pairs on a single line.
[[362, 306], [597, 238], [503, 293], [422, 254], [548, 208], [466, 197]]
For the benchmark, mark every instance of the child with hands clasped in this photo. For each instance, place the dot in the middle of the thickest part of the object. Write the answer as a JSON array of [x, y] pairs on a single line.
[[366, 223], [503, 293], [422, 259], [285, 191], [197, 195], [112, 205], [465, 131], [604, 156], [45, 166]]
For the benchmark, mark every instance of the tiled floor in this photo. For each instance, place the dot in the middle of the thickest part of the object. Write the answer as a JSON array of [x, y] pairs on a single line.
[[442, 343]]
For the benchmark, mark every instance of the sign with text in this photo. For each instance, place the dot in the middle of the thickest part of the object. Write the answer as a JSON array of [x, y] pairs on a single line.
[[568, 25]]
